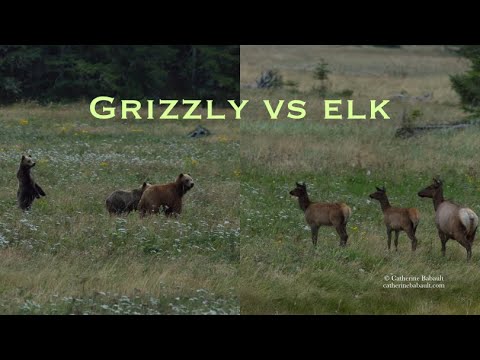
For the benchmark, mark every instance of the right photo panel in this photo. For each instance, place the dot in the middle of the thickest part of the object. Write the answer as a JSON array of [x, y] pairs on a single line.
[[360, 179]]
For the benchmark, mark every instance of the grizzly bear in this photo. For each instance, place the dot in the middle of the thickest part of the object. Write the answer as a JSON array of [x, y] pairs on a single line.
[[123, 202], [168, 196], [28, 189]]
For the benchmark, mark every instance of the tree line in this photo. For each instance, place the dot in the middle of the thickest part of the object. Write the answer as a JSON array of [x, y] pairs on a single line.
[[64, 73]]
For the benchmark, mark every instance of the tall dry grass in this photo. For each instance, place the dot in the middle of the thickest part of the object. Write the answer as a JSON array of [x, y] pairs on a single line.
[[371, 72]]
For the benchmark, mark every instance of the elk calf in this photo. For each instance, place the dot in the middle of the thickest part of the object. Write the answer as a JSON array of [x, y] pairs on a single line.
[[397, 219], [453, 221], [318, 214]]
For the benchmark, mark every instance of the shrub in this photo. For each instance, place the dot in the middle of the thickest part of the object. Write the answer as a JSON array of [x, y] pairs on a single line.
[[321, 71], [346, 93]]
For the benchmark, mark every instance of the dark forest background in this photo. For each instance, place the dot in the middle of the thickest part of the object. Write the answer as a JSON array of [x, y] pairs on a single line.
[[64, 73]]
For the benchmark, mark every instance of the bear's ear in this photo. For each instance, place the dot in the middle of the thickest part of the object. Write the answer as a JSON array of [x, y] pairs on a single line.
[[23, 157], [181, 175], [29, 155], [144, 184]]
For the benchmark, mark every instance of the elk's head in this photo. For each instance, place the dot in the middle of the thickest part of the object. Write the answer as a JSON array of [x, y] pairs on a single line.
[[432, 190], [379, 194], [300, 190]]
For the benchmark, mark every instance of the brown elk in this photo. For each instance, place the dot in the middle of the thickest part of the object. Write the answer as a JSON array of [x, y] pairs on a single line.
[[323, 214], [453, 221], [397, 219]]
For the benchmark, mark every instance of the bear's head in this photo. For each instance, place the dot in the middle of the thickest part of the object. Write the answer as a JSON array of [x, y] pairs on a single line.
[[27, 161], [145, 186], [186, 181], [139, 191]]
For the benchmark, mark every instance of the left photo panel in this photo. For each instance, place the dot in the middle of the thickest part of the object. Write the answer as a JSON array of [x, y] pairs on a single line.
[[119, 179]]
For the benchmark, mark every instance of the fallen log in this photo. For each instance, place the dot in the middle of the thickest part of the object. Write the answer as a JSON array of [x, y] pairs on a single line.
[[407, 131]]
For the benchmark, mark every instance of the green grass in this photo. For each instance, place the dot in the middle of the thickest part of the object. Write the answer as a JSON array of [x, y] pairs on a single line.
[[280, 271], [69, 256]]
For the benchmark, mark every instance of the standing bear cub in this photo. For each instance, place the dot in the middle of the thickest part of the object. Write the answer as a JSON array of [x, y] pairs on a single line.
[[167, 195], [28, 190], [123, 202]]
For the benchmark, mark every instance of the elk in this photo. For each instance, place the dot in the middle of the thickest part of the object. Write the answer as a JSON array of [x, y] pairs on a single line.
[[323, 214], [397, 219], [453, 221]]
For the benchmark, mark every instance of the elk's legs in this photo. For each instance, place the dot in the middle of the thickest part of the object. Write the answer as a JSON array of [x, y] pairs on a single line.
[[342, 232], [389, 234], [413, 238], [397, 232], [443, 239]]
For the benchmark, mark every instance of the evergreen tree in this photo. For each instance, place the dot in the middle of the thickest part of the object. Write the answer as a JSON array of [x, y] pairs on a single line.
[[468, 85], [56, 73]]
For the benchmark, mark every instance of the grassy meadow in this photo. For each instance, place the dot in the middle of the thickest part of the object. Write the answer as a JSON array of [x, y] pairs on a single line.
[[343, 161], [241, 244], [68, 256]]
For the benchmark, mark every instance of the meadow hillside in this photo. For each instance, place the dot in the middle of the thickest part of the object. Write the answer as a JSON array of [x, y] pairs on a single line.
[[280, 272], [368, 72], [68, 256]]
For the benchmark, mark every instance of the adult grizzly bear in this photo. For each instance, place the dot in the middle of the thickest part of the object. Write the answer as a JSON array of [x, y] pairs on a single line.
[[28, 190], [123, 202], [166, 195]]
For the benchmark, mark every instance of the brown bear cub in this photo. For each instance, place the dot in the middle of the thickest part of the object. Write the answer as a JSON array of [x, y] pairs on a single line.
[[168, 196], [123, 202], [28, 190]]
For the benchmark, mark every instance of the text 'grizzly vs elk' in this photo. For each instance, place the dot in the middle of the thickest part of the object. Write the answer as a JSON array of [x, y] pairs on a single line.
[[323, 214]]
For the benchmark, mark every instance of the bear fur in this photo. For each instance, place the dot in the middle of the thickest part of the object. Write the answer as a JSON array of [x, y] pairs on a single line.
[[28, 189], [123, 202], [169, 196]]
